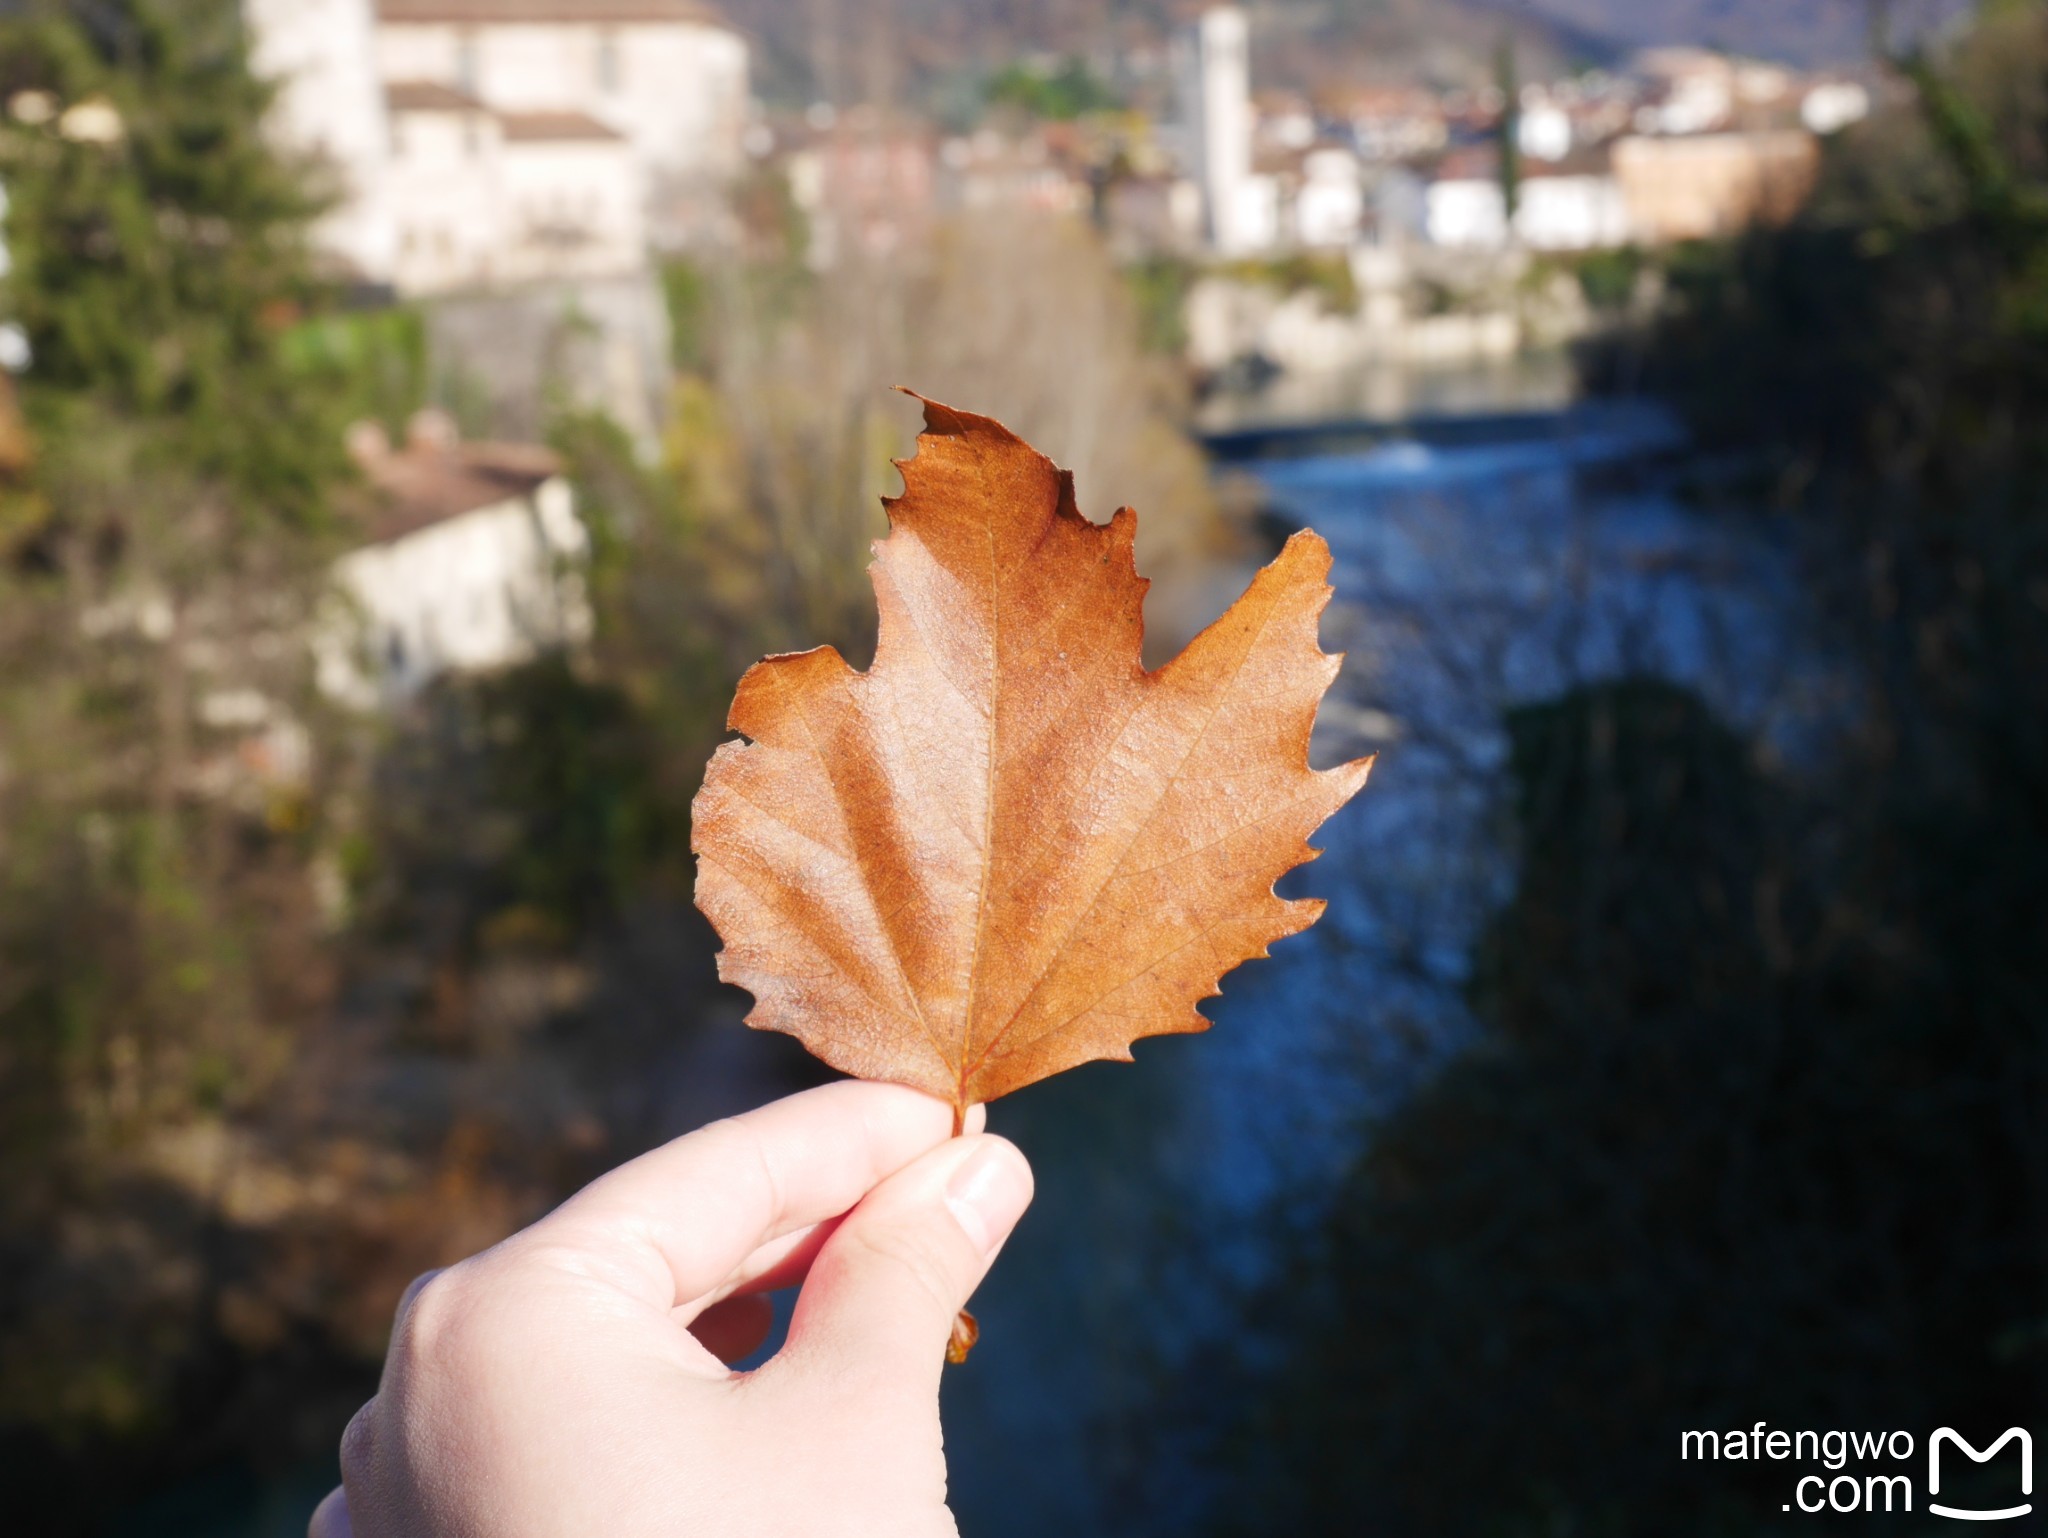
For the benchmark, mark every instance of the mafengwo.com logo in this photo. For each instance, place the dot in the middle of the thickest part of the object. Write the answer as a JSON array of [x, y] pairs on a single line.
[[1867, 1471]]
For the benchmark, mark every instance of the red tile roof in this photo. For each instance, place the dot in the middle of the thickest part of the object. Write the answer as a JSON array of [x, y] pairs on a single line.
[[429, 96], [554, 125], [1481, 163], [415, 487]]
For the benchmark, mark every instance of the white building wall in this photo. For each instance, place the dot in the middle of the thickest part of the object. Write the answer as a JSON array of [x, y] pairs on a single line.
[[418, 53], [1467, 212], [677, 91], [1552, 213], [1544, 132], [1833, 106], [481, 591], [322, 55], [591, 187], [1330, 206], [1255, 215], [1572, 213], [447, 201]]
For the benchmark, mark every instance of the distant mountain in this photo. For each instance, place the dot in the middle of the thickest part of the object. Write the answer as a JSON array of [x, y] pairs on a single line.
[[852, 50], [1801, 31], [919, 51]]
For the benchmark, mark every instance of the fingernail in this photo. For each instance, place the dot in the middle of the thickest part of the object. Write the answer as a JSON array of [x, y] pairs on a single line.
[[989, 1192]]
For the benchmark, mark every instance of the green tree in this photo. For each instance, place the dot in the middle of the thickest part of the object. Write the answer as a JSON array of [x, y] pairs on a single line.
[[1508, 81], [1057, 93], [159, 251], [159, 940]]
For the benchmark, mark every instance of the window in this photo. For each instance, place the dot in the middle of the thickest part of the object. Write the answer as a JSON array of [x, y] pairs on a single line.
[[608, 62], [466, 70]]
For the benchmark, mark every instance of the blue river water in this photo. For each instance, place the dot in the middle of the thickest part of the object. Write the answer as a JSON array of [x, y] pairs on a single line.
[[1468, 577]]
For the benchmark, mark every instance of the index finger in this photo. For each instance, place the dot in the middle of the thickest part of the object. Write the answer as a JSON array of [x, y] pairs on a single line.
[[672, 1225]]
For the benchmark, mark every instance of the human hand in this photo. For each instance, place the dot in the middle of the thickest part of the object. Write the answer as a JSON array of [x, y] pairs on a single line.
[[571, 1382]]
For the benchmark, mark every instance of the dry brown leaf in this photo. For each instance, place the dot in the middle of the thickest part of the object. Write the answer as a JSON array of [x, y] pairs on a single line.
[[1007, 849]]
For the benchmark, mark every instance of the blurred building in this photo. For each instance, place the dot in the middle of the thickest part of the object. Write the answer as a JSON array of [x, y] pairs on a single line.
[[470, 564], [1387, 124], [1829, 106], [1544, 130], [331, 107], [1397, 207], [1307, 198], [1039, 169], [1696, 91], [1213, 66], [1329, 202], [1283, 120], [1575, 203], [483, 141], [1704, 185], [482, 197], [1654, 189], [1464, 202], [1572, 204], [865, 181], [1152, 212], [669, 76]]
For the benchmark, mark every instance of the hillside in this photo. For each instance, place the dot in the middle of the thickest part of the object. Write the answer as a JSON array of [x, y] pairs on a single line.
[[929, 51], [1802, 31]]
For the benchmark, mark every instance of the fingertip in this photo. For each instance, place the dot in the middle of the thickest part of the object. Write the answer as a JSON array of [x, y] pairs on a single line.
[[888, 1285], [989, 1190]]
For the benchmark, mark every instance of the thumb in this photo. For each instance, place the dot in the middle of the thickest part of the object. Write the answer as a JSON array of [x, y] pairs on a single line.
[[879, 1303]]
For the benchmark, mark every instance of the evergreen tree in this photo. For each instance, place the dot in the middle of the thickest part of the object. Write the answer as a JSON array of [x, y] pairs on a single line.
[[162, 533], [159, 250], [1508, 80]]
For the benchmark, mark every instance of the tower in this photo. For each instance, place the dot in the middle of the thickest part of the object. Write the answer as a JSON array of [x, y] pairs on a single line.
[[1215, 90]]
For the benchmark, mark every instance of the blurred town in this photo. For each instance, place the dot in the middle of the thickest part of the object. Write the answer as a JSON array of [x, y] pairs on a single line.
[[481, 149], [415, 414], [502, 166]]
